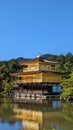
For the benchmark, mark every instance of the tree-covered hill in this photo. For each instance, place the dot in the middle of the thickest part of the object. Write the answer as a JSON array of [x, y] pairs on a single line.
[[65, 61], [21, 59]]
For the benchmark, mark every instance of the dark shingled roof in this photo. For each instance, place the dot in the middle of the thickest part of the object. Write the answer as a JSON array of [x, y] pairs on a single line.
[[36, 72], [40, 59]]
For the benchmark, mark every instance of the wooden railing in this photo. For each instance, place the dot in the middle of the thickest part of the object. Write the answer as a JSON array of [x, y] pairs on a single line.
[[29, 91]]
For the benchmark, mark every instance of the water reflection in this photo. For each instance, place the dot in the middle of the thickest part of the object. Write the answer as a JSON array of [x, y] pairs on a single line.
[[47, 115], [8, 126]]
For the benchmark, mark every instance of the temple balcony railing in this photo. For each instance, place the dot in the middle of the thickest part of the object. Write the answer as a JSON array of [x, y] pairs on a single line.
[[19, 81], [28, 81], [25, 91]]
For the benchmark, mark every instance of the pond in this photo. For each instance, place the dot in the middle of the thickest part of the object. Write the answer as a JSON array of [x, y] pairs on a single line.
[[44, 115]]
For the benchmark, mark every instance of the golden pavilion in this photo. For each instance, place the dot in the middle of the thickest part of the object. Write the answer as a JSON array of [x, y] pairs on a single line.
[[38, 79]]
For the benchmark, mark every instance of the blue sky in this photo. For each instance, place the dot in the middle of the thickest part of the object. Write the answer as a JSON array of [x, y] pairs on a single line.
[[30, 27]]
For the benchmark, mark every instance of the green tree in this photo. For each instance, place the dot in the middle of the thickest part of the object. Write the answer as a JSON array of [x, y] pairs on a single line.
[[69, 57], [61, 59], [67, 85], [68, 67], [8, 87], [14, 66], [6, 68]]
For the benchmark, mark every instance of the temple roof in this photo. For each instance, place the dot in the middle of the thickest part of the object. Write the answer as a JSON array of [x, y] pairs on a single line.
[[36, 72], [39, 59]]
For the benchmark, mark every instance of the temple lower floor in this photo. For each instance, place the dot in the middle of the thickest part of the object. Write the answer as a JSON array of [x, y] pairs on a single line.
[[37, 90]]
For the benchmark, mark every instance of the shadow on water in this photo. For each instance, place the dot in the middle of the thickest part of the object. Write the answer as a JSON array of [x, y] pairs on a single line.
[[45, 115]]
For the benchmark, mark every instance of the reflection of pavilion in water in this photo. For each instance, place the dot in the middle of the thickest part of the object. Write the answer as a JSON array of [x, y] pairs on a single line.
[[38, 116], [46, 115]]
